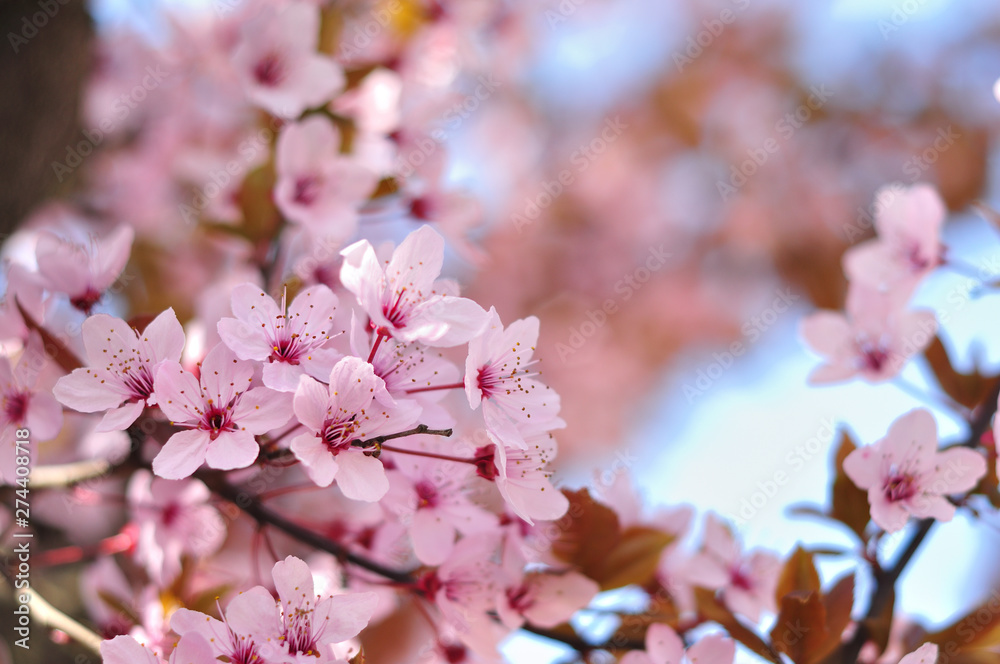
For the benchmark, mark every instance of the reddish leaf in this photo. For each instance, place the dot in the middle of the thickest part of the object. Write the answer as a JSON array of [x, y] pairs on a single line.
[[849, 504], [633, 559], [799, 574], [838, 603], [587, 534], [967, 389], [800, 630]]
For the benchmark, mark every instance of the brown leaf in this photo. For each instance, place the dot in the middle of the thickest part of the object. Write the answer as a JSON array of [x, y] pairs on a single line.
[[587, 534], [633, 559], [798, 574], [838, 603], [848, 503], [712, 609], [800, 630], [967, 389]]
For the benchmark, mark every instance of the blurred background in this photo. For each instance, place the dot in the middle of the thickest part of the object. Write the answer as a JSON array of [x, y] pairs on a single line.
[[668, 186]]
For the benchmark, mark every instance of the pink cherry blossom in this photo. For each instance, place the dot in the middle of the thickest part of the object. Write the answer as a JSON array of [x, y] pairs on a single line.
[[173, 518], [292, 340], [354, 406], [747, 582], [83, 272], [278, 65], [127, 650], [908, 246], [663, 646], [543, 599], [301, 628], [317, 186], [498, 376], [405, 299], [409, 370], [874, 340], [523, 478], [21, 405], [905, 474], [925, 654], [432, 499], [221, 412], [123, 365], [465, 587]]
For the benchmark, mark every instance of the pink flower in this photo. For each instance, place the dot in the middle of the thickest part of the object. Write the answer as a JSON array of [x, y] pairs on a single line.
[[874, 340], [173, 518], [20, 404], [409, 370], [905, 473], [663, 646], [908, 246], [222, 415], [542, 599], [465, 586], [925, 654], [405, 299], [83, 272], [522, 477], [278, 65], [292, 340], [317, 186], [354, 406], [747, 582], [497, 376], [432, 498], [123, 364], [301, 628]]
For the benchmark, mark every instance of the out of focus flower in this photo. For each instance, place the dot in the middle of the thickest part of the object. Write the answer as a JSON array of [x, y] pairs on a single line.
[[873, 340], [277, 62], [908, 246], [663, 646], [83, 272], [906, 475], [317, 186]]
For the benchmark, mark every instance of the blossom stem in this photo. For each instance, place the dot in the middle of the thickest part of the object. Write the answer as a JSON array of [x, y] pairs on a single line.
[[452, 386], [429, 455]]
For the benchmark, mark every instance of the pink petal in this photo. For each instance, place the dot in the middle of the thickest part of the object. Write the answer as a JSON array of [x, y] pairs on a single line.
[[913, 437], [122, 418], [433, 537], [84, 391], [181, 455], [361, 477], [260, 410], [282, 376], [232, 449], [713, 649], [890, 516], [663, 644], [253, 612], [247, 342], [464, 319], [165, 337], [559, 597], [925, 654], [931, 506], [126, 650], [417, 261], [348, 615], [223, 375], [826, 332], [354, 383], [321, 465], [177, 393], [293, 581], [957, 469], [862, 466], [311, 402]]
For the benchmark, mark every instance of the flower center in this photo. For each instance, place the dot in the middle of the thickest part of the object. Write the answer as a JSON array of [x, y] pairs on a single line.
[[337, 434], [307, 189], [899, 486], [15, 406], [270, 70], [216, 421], [427, 495], [486, 466], [86, 301]]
